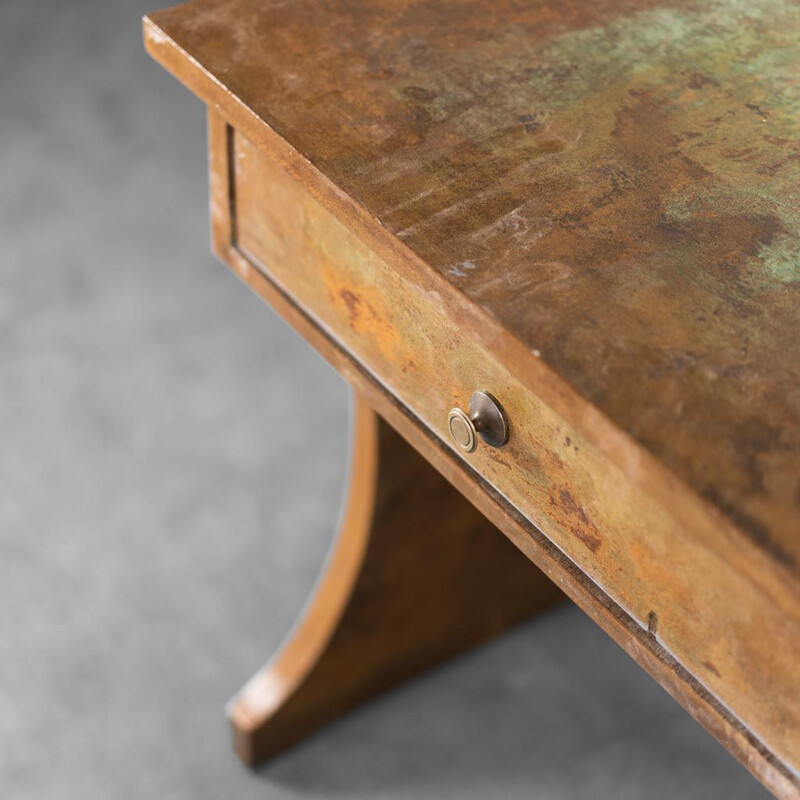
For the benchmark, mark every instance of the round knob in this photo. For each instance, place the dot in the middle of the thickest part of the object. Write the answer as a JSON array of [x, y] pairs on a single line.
[[462, 430], [486, 417]]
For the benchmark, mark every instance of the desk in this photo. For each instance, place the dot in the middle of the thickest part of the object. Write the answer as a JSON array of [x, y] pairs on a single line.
[[588, 211]]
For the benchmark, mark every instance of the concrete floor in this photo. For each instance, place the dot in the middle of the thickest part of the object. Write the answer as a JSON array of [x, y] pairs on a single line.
[[157, 537]]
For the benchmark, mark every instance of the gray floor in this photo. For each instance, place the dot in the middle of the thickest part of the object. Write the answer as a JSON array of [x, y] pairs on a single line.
[[157, 537]]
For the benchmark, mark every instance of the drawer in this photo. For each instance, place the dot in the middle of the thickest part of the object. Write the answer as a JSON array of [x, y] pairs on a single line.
[[630, 545]]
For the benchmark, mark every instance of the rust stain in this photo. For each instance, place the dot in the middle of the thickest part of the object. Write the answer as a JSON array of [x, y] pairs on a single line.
[[578, 523], [353, 305], [366, 313]]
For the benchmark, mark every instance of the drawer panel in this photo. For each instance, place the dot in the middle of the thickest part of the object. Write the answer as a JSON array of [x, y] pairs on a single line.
[[619, 536]]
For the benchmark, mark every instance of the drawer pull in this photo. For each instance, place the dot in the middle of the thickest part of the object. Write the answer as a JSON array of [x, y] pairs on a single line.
[[486, 417]]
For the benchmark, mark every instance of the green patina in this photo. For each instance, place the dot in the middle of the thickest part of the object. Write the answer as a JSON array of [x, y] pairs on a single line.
[[782, 260], [723, 81]]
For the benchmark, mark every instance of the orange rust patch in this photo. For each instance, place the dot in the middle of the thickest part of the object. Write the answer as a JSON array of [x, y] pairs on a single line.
[[353, 305], [365, 311], [578, 523]]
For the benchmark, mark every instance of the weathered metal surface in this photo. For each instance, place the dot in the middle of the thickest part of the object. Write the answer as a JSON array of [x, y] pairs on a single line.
[[665, 577], [617, 183], [614, 187]]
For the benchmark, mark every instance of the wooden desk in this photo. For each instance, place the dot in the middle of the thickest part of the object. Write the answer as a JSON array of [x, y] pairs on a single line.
[[589, 210]]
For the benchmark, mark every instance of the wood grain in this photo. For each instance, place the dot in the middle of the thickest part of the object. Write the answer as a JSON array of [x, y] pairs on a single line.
[[417, 575]]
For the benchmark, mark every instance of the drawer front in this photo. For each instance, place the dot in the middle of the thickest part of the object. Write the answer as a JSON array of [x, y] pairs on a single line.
[[620, 537]]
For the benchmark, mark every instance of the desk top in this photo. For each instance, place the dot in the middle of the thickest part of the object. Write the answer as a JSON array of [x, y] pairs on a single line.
[[614, 184]]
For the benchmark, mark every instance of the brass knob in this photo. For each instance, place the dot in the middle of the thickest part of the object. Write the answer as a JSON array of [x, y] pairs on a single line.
[[486, 417]]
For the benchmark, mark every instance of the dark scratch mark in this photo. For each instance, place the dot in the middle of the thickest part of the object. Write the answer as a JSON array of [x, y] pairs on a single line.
[[353, 304], [585, 530], [711, 668], [699, 81], [753, 107]]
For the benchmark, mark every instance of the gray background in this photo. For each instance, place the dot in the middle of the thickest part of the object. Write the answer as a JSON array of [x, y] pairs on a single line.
[[157, 538]]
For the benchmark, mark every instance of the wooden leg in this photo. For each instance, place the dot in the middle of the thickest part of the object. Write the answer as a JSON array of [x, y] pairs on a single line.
[[416, 576]]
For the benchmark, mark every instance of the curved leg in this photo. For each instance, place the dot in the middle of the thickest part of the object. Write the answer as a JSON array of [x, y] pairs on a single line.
[[417, 574]]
